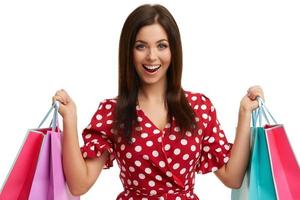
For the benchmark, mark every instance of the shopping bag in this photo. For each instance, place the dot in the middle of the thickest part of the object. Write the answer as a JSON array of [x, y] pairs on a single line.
[[258, 182], [49, 182], [286, 171], [261, 185], [18, 183]]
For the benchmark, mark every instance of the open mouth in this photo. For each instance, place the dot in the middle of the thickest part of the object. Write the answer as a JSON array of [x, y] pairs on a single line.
[[151, 68]]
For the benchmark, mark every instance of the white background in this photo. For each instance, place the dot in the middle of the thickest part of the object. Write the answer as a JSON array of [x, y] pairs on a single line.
[[228, 46]]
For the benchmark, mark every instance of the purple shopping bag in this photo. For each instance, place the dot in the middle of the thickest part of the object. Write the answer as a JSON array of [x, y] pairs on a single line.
[[49, 181]]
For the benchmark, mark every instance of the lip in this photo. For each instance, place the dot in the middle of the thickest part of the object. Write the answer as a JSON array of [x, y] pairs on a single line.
[[151, 73]]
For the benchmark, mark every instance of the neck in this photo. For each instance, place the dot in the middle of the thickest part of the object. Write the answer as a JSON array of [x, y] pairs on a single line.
[[154, 93]]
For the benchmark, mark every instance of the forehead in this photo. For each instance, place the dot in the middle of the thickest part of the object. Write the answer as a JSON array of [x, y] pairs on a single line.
[[152, 33]]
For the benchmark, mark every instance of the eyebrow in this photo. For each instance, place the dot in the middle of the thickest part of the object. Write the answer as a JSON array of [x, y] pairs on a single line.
[[141, 41]]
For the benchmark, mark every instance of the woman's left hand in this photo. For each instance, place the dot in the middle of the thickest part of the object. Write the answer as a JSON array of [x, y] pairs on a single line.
[[249, 102]]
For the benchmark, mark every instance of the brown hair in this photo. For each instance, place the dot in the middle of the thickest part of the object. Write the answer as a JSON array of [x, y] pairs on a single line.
[[178, 106]]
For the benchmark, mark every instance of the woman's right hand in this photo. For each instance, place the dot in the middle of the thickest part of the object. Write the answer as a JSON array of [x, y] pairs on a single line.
[[67, 107]]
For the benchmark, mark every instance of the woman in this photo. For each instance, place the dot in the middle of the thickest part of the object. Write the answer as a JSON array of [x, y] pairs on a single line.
[[160, 134]]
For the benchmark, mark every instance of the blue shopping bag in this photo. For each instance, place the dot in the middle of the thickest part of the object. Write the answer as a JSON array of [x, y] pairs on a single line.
[[258, 182]]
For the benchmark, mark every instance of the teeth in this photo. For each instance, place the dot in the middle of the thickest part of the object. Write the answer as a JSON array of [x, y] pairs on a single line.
[[152, 66]]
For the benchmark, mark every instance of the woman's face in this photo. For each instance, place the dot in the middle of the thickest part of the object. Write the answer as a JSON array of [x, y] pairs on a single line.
[[151, 54]]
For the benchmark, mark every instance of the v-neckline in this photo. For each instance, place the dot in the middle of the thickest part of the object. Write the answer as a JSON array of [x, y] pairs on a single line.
[[148, 119]]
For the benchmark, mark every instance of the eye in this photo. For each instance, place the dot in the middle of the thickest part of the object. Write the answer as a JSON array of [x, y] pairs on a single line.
[[140, 46], [162, 46]]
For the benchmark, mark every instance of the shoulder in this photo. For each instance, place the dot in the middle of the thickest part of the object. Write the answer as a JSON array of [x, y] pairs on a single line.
[[107, 105], [197, 99]]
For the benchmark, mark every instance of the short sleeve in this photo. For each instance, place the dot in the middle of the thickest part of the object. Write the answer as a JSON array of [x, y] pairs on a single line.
[[97, 136], [215, 151]]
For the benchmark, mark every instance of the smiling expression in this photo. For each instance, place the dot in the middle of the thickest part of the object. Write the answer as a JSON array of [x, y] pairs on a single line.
[[151, 53]]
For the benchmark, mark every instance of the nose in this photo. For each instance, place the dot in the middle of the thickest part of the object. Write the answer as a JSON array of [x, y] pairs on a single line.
[[151, 56]]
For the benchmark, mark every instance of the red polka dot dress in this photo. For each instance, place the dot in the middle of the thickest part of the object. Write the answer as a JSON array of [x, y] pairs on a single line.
[[159, 164]]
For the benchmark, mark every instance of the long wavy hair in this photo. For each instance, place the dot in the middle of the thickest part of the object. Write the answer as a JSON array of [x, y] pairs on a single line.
[[129, 82]]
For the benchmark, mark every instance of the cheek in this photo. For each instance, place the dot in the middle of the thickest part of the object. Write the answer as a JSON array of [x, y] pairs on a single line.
[[166, 57]]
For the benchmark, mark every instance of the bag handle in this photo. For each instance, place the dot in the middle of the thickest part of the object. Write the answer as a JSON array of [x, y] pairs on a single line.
[[54, 122], [262, 112]]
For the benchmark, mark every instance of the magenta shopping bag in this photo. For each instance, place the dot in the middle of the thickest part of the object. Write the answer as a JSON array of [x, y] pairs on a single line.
[[49, 182], [286, 171], [18, 183]]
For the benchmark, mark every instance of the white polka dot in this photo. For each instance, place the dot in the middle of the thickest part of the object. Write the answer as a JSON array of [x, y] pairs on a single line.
[[148, 170], [196, 107], [98, 117], [178, 198], [169, 160], [129, 182], [226, 159], [148, 125], [176, 165], [153, 192], [138, 148], [182, 171], [188, 133], [88, 136], [221, 142], [169, 174], [168, 125], [197, 140], [203, 98], [131, 169], [218, 149], [172, 137], [146, 157], [138, 128], [185, 157], [197, 119], [214, 169], [167, 147], [209, 156], [203, 107], [144, 135], [226, 146], [206, 148], [138, 163], [177, 151], [159, 139], [211, 140], [191, 162], [108, 106], [92, 148], [162, 164], [215, 129], [212, 109], [139, 119], [151, 183], [135, 182], [204, 116], [156, 131], [193, 148], [128, 155], [84, 154], [149, 143], [200, 132], [194, 98], [176, 129], [206, 165], [158, 177], [109, 121], [122, 147], [183, 141], [155, 153], [169, 184], [142, 176]]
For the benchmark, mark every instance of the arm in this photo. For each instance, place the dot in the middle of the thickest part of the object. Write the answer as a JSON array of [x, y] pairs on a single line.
[[80, 174], [232, 173]]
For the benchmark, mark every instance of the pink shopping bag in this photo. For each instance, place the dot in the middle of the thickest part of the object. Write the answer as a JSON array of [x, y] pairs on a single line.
[[286, 171], [18, 184]]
